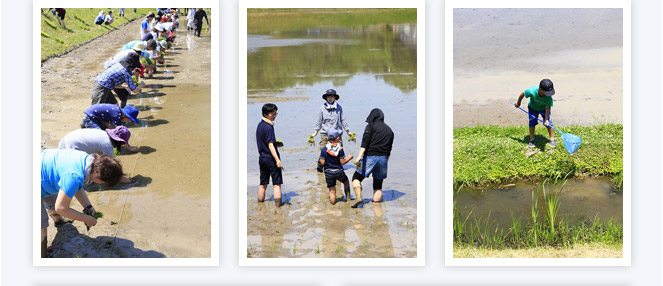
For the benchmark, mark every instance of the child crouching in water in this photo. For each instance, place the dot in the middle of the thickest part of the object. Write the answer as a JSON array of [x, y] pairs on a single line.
[[332, 157]]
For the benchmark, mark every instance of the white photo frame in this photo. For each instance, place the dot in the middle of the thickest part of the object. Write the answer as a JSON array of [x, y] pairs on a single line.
[[213, 259], [450, 5], [244, 260]]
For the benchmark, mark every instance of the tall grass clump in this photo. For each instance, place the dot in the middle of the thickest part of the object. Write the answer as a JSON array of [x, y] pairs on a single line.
[[541, 229]]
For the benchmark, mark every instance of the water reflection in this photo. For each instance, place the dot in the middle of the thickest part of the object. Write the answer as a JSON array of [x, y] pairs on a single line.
[[305, 57]]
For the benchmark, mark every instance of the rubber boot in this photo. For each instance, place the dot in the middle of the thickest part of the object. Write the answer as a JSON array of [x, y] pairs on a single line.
[[44, 248], [278, 203]]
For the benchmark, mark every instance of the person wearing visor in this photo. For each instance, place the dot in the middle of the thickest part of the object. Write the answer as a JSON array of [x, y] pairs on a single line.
[[540, 103]]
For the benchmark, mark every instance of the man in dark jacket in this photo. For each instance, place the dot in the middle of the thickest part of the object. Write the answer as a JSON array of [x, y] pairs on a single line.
[[376, 144], [198, 19]]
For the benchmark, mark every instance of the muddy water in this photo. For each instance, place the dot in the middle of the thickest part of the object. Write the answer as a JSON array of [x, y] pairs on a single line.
[[581, 201], [369, 66], [167, 214], [579, 49]]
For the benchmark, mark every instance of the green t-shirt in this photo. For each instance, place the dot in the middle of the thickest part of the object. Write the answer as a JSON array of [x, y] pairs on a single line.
[[537, 102]]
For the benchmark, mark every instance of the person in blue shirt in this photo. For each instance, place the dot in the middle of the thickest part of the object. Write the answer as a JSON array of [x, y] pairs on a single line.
[[63, 174], [269, 158], [100, 18], [102, 116], [145, 25], [332, 157]]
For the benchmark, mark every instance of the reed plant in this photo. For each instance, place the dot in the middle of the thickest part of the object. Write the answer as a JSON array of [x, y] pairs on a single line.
[[539, 231]]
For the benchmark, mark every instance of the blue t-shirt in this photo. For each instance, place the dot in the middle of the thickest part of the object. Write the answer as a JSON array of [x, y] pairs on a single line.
[[62, 169], [264, 135], [105, 112], [331, 161], [144, 25]]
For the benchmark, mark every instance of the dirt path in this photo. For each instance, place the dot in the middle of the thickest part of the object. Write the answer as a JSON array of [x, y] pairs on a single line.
[[167, 214]]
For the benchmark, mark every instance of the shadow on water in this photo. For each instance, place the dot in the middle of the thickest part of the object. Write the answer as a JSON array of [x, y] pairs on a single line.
[[69, 243], [163, 77], [155, 86], [152, 93], [391, 195], [286, 197], [146, 150], [152, 123]]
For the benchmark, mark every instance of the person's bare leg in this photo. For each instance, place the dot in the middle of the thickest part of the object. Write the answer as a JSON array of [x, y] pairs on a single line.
[[356, 184], [377, 196], [44, 243], [346, 188], [57, 219], [261, 193], [552, 134], [277, 195], [531, 134], [332, 195]]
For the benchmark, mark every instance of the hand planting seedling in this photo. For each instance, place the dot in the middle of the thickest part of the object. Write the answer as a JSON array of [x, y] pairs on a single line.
[[353, 137], [311, 140]]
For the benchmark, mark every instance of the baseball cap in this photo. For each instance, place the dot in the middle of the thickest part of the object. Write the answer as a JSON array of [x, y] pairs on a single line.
[[547, 86]]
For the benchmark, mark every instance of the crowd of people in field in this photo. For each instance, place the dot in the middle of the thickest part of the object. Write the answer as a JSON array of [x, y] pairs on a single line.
[[87, 155]]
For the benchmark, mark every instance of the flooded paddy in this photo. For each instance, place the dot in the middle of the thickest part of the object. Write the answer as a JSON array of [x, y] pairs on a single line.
[[370, 66], [167, 212], [581, 202]]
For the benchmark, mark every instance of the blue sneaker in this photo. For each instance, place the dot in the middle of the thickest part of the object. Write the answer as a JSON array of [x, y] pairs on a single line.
[[531, 144], [553, 143]]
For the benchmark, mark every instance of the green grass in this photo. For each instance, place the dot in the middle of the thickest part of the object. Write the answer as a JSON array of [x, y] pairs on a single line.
[[545, 231], [265, 21], [490, 154], [80, 28]]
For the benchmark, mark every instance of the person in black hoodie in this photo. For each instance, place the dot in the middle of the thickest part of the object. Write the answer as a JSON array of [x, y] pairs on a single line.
[[376, 145]]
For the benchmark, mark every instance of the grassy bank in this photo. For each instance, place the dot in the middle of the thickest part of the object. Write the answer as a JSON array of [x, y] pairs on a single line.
[[485, 154], [55, 39], [543, 228], [265, 21]]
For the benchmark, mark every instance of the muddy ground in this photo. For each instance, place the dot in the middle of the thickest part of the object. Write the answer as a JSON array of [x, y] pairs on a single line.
[[167, 212], [498, 53]]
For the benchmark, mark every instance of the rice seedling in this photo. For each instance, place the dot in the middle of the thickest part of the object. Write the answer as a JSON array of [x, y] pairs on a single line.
[[540, 230], [45, 35], [49, 23]]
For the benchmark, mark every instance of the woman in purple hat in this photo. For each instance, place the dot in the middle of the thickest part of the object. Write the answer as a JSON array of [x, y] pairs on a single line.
[[96, 141]]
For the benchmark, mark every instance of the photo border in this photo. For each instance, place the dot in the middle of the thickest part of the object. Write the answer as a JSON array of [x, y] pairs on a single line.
[[626, 109], [213, 260], [421, 160]]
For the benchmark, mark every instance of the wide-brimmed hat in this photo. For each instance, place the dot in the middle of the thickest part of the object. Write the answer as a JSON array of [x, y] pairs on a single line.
[[163, 43], [547, 86], [330, 92], [120, 133], [131, 113], [139, 47]]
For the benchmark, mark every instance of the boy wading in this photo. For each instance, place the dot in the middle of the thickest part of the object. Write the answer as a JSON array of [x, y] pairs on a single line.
[[540, 103], [332, 157], [269, 158]]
